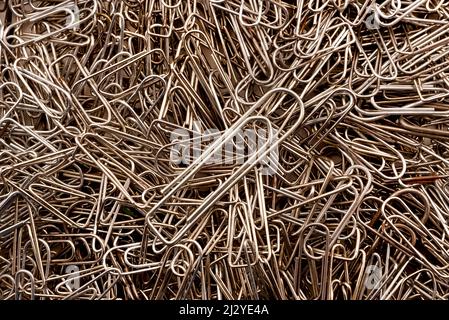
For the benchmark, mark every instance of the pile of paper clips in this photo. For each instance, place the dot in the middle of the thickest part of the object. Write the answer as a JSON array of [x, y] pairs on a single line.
[[92, 207]]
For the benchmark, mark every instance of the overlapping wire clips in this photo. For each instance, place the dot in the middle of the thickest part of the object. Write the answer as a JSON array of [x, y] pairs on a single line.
[[92, 207]]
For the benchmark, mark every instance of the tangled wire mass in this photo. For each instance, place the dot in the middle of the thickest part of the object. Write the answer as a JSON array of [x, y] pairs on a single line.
[[93, 207]]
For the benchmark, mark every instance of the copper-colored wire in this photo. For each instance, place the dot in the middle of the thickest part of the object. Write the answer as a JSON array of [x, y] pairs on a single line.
[[344, 198]]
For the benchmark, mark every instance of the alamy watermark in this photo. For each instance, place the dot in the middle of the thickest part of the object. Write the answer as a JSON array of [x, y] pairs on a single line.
[[73, 14], [373, 277], [255, 146], [372, 21], [73, 279]]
